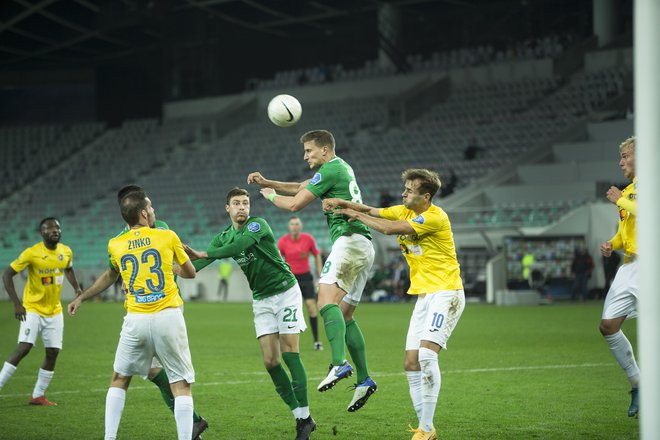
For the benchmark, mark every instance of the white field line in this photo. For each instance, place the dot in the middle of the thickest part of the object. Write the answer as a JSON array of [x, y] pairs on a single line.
[[264, 378]]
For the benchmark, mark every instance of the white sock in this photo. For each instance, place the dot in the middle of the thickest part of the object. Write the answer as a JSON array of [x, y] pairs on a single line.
[[428, 359], [183, 414], [623, 353], [297, 413], [304, 412], [7, 371], [114, 406], [43, 379], [415, 386]]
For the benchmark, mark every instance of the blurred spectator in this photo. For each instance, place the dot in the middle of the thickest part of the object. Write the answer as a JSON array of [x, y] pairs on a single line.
[[581, 268], [386, 199], [448, 185], [472, 149], [610, 266]]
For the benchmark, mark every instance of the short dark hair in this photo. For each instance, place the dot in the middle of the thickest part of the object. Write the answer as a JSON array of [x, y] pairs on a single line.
[[236, 191], [429, 182], [322, 138], [47, 219], [127, 189], [131, 205]]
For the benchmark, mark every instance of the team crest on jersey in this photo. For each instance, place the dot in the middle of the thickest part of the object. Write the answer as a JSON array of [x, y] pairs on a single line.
[[46, 281], [254, 227], [419, 219], [316, 179], [60, 257]]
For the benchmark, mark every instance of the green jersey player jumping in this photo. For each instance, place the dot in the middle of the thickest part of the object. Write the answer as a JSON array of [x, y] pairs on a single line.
[[277, 300], [346, 270]]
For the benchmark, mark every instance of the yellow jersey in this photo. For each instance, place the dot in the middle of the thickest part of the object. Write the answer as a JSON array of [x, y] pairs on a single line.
[[430, 252], [625, 237], [45, 277], [144, 258]]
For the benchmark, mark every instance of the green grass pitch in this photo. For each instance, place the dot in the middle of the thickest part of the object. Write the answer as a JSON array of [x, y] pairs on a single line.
[[509, 373]]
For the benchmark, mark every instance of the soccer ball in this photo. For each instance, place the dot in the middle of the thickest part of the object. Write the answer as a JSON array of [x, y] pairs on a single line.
[[284, 110]]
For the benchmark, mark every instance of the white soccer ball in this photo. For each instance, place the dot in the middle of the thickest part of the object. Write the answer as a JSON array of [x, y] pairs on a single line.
[[284, 110]]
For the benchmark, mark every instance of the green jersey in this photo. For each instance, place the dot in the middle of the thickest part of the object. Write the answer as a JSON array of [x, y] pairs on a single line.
[[254, 248], [337, 179]]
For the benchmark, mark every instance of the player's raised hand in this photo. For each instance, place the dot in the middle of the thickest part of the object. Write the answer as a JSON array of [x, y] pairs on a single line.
[[332, 203], [606, 249], [266, 192], [257, 178], [614, 194], [193, 254], [19, 312]]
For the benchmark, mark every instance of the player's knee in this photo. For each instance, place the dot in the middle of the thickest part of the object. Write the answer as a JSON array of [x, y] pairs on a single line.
[[271, 362], [51, 353], [411, 364], [23, 349], [608, 327]]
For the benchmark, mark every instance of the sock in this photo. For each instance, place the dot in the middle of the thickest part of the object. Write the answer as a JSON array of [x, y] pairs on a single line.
[[335, 330], [163, 383], [7, 371], [298, 376], [114, 406], [283, 386], [43, 379], [430, 377], [183, 411], [358, 349], [623, 353], [314, 324], [415, 387]]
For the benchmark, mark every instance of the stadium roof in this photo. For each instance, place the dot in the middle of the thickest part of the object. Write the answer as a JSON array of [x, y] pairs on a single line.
[[65, 33]]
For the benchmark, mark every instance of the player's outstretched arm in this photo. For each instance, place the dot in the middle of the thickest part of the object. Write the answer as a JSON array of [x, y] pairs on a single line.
[[105, 280], [290, 203], [331, 204], [388, 227], [284, 188], [8, 280]]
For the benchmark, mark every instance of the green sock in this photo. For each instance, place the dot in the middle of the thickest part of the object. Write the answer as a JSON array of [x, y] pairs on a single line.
[[283, 386], [163, 383], [298, 376], [358, 349], [335, 330]]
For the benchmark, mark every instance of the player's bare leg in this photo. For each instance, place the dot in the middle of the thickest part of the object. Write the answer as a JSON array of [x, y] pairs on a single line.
[[312, 312]]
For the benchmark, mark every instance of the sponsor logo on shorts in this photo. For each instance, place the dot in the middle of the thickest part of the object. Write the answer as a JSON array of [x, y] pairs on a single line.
[[434, 330], [419, 219], [46, 281], [27, 331], [290, 326], [316, 179], [254, 227]]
